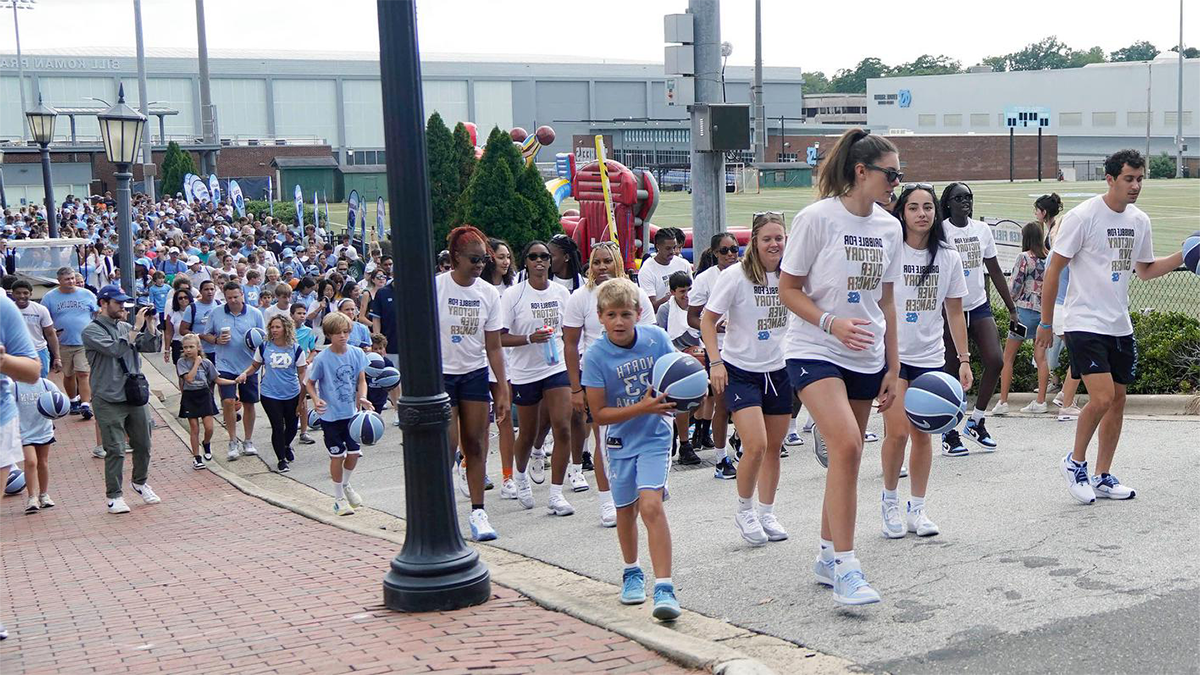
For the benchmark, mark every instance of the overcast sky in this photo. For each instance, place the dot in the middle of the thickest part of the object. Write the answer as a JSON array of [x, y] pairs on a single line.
[[810, 35]]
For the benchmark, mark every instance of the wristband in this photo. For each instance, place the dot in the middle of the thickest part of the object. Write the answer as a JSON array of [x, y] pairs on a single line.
[[1045, 325], [716, 363], [964, 358], [577, 391], [528, 341], [821, 321]]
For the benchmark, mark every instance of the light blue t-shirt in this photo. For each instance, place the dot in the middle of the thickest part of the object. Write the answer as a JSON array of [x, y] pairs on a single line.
[[251, 293], [72, 312], [158, 295], [36, 428], [625, 373], [336, 376], [279, 380], [233, 357], [360, 335], [306, 337], [197, 316], [14, 335]]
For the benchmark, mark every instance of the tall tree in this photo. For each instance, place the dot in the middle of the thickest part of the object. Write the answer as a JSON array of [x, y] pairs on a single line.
[[175, 165], [1048, 53], [1138, 51], [464, 154], [815, 83], [927, 64], [998, 63], [1188, 52], [854, 81], [492, 202], [443, 178], [1081, 58]]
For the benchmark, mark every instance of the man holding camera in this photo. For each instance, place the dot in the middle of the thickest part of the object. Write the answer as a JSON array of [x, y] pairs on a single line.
[[119, 391]]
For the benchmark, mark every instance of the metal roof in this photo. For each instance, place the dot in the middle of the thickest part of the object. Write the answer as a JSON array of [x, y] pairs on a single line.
[[304, 162]]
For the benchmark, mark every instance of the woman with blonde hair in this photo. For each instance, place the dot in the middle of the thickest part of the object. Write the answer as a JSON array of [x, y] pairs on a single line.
[[285, 362]]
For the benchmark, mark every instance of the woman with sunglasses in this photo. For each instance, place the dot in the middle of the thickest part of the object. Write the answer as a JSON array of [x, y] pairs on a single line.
[[933, 283], [533, 314], [499, 273], [838, 271], [375, 281], [469, 315], [973, 239], [581, 328], [712, 420], [749, 372], [172, 335]]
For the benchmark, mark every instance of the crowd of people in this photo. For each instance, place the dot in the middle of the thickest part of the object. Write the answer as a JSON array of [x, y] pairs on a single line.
[[837, 314]]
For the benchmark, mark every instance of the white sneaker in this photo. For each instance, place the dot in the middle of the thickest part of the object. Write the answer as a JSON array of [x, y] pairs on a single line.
[[793, 440], [537, 467], [904, 471], [234, 453], [1001, 408], [1078, 483], [508, 489], [352, 496], [578, 480], [460, 479], [1058, 400], [1068, 414], [44, 501], [31, 506], [1107, 486], [771, 527], [147, 494], [248, 448], [481, 529], [823, 571], [750, 528], [850, 587], [608, 514], [559, 506], [1035, 408], [893, 524], [99, 452], [341, 507], [118, 505], [525, 495], [919, 523]]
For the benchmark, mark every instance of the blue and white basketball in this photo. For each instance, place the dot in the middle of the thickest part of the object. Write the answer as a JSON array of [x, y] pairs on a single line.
[[682, 378], [53, 404], [935, 402], [1191, 252], [366, 428], [375, 365], [314, 419], [16, 481], [387, 378], [255, 337]]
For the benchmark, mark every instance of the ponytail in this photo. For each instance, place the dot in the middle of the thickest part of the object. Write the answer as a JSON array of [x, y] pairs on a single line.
[[856, 146]]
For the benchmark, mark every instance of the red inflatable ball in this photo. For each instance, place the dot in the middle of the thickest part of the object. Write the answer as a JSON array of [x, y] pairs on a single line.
[[518, 135], [574, 213], [545, 135]]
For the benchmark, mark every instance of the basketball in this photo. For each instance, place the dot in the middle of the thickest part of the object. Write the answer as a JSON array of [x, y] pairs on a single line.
[[386, 379], [314, 419], [545, 135], [255, 337], [682, 378], [16, 482], [518, 135], [935, 402], [366, 428], [375, 365], [1191, 252], [53, 405]]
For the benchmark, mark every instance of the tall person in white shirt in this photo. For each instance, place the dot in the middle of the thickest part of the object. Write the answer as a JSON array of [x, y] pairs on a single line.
[[655, 273], [841, 262], [581, 329], [933, 279], [973, 239], [470, 319], [499, 273], [712, 419], [533, 314], [749, 372], [566, 270], [1103, 242]]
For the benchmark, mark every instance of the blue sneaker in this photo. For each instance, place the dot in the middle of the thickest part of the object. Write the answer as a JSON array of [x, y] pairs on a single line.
[[977, 431], [633, 587], [725, 470], [666, 607], [850, 587], [823, 571], [793, 439], [952, 445]]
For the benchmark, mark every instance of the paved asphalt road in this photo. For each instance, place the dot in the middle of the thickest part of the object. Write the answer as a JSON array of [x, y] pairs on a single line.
[[1022, 578]]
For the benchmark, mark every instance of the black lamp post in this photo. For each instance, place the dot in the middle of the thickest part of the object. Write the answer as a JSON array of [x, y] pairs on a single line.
[[435, 570], [121, 129], [41, 125]]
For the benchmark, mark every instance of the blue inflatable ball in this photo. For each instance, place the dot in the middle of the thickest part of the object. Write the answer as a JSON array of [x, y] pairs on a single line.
[[53, 405], [314, 419], [255, 337], [366, 428], [682, 378], [16, 481], [375, 365], [387, 378], [935, 403], [1191, 252]]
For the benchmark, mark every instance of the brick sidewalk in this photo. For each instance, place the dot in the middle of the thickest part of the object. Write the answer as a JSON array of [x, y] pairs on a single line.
[[212, 580]]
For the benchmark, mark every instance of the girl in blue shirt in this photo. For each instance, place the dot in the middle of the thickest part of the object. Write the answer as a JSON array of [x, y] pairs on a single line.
[[284, 362]]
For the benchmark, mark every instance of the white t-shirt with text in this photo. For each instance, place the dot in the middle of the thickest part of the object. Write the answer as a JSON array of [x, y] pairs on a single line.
[[525, 310], [919, 303], [975, 244], [465, 313], [652, 276], [756, 320]]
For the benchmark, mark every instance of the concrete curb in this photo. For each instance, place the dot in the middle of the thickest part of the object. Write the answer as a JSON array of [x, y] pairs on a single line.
[[1148, 405], [694, 641]]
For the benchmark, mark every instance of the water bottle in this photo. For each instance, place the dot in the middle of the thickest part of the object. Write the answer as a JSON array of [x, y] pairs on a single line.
[[550, 348]]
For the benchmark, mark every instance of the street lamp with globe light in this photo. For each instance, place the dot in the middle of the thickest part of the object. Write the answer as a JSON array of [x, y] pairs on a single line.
[[41, 125], [121, 130]]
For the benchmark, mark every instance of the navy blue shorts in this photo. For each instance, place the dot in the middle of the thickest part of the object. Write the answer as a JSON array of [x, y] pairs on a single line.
[[472, 386], [532, 392], [247, 392], [337, 438], [770, 391], [983, 311], [910, 373], [1093, 353], [859, 386]]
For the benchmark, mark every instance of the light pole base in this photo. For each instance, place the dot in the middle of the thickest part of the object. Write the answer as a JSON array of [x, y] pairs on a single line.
[[437, 585]]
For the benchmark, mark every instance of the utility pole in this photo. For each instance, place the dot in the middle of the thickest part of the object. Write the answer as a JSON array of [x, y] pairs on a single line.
[[208, 122], [148, 169], [760, 109], [708, 168], [1179, 112], [26, 4], [1149, 113]]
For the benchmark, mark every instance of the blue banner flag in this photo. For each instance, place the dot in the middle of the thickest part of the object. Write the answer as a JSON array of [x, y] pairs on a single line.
[[235, 195], [379, 217]]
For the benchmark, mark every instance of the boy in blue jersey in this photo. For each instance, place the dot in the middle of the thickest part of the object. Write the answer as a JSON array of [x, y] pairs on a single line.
[[616, 375]]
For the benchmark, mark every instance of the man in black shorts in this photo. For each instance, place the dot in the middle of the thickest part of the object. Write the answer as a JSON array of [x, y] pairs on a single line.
[[1103, 242]]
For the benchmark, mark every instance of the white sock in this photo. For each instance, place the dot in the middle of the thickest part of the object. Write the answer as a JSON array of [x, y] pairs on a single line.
[[606, 497], [890, 495], [745, 503], [339, 491], [522, 477], [555, 491], [977, 414], [633, 565], [721, 455], [664, 581], [346, 475], [826, 550], [915, 502], [844, 557], [792, 425], [765, 508]]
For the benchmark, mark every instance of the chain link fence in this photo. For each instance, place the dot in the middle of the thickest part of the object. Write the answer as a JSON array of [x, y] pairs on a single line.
[[1177, 291]]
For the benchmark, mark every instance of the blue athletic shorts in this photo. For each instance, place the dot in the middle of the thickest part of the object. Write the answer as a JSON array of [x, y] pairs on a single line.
[[44, 355], [247, 392], [627, 477], [859, 386], [337, 438], [910, 373], [472, 386], [770, 391], [983, 311], [531, 393]]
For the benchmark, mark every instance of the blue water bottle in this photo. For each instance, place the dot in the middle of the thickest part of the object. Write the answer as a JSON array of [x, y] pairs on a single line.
[[550, 348]]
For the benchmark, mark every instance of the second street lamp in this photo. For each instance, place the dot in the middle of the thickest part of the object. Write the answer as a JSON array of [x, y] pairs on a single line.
[[121, 129], [41, 125]]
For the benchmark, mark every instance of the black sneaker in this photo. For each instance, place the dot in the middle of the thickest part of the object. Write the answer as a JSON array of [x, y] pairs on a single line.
[[687, 455], [736, 442], [952, 445], [197, 463], [75, 407], [208, 452], [707, 442], [586, 464], [283, 466], [977, 431], [725, 470], [289, 454], [783, 451], [86, 411], [697, 434]]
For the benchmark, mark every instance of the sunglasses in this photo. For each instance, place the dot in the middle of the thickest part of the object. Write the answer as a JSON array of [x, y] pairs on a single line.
[[918, 186], [475, 260], [533, 257], [963, 198], [893, 175], [760, 214], [726, 250]]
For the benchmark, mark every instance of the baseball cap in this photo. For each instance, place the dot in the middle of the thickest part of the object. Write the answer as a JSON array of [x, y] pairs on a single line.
[[288, 253], [112, 292], [144, 262], [173, 249], [193, 260]]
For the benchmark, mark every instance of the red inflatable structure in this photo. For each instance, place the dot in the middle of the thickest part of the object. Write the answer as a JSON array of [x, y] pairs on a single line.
[[634, 198]]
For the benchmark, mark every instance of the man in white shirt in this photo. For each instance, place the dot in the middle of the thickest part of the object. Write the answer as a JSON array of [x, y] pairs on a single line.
[[655, 273], [1103, 242]]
